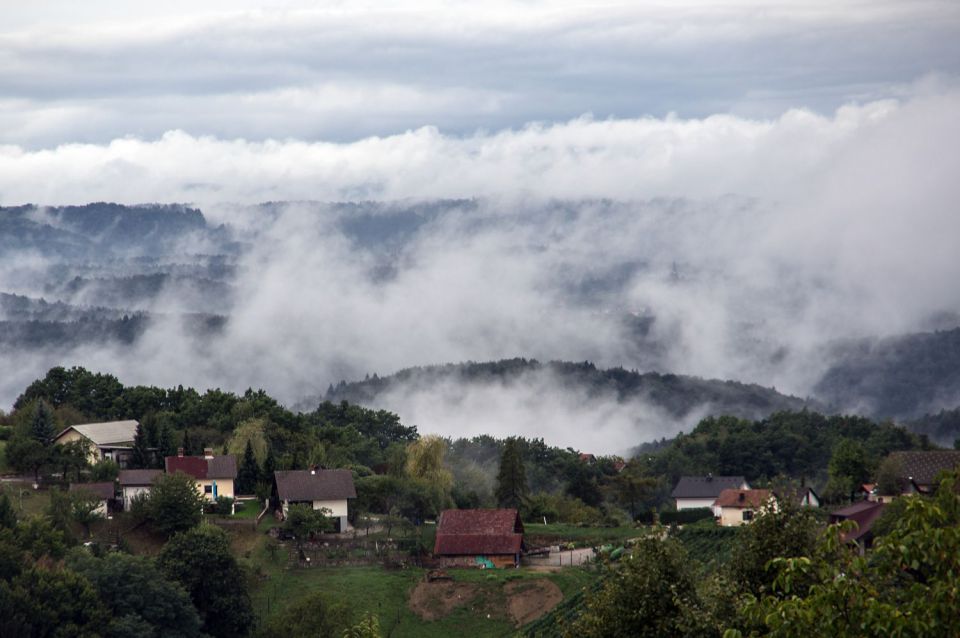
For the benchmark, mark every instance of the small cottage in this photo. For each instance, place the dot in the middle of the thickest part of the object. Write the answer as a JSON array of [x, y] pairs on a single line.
[[135, 482], [479, 537], [109, 440], [741, 506], [214, 474], [695, 492], [321, 489], [102, 492]]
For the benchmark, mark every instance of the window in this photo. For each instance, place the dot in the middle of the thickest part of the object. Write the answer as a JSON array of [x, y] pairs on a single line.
[[208, 489], [748, 515]]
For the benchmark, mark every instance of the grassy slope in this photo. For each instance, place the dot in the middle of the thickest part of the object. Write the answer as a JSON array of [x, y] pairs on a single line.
[[385, 593]]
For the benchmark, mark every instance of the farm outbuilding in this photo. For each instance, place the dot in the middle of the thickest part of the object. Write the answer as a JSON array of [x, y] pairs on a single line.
[[479, 537]]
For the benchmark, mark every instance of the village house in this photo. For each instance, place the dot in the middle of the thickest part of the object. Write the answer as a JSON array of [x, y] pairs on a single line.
[[738, 506], [479, 537], [918, 471], [103, 492], [135, 482], [321, 489], [214, 475], [864, 514], [695, 492], [803, 496], [110, 440]]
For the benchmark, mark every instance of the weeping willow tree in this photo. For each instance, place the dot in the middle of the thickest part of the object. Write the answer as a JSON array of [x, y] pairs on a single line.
[[425, 462], [430, 480]]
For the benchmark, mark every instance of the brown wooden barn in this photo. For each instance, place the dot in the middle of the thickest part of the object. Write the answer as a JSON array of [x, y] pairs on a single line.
[[479, 538]]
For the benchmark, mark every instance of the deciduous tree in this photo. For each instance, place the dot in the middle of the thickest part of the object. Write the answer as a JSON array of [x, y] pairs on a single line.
[[200, 560]]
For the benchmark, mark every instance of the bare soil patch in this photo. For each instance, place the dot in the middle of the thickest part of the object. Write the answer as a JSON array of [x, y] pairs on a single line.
[[527, 600], [432, 601]]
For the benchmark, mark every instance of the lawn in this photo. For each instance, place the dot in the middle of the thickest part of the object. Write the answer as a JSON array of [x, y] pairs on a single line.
[[386, 593], [25, 500]]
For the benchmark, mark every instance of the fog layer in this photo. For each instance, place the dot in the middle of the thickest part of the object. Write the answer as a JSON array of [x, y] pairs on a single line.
[[750, 243]]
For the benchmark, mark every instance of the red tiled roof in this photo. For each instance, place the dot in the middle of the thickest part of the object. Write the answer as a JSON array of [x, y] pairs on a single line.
[[743, 498], [478, 532], [219, 467]]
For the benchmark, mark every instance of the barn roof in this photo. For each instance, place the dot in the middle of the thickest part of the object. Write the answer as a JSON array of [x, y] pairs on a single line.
[[315, 485], [743, 498], [863, 512], [705, 486], [103, 491], [107, 433], [479, 532], [199, 467], [138, 477]]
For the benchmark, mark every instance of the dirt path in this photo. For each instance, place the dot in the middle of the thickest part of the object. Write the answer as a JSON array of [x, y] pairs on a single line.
[[528, 599]]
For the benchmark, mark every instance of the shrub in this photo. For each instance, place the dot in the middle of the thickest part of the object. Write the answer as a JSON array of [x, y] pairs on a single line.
[[683, 517]]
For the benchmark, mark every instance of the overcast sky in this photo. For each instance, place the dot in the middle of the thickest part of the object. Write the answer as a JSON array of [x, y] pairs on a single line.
[[93, 72]]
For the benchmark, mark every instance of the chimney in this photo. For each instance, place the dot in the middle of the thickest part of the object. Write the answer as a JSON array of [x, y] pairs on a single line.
[[180, 451], [208, 452]]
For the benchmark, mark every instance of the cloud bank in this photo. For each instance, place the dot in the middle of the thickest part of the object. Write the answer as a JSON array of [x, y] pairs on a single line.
[[753, 242]]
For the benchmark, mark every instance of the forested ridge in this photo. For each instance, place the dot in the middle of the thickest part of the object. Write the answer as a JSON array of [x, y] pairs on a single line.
[[677, 394]]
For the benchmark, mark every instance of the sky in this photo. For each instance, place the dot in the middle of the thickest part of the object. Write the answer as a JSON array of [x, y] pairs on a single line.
[[797, 159], [94, 72]]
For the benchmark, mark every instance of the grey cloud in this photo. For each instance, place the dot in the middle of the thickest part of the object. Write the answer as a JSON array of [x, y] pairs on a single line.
[[343, 73]]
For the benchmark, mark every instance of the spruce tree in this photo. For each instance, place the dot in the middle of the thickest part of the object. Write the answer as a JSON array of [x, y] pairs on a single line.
[[512, 477], [249, 472], [8, 518], [42, 428], [187, 443], [152, 430], [165, 444], [141, 457], [269, 467]]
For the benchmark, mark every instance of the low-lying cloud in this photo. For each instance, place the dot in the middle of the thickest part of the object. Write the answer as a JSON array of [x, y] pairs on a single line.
[[753, 242]]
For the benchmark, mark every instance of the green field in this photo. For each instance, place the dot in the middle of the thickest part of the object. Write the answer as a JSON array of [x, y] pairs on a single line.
[[385, 593]]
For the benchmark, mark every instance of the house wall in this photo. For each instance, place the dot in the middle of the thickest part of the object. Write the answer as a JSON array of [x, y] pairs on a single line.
[[224, 487], [733, 516], [694, 503], [337, 508], [93, 454], [130, 491], [102, 508]]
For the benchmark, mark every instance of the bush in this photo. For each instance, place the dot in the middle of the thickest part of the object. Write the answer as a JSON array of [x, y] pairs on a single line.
[[224, 506], [683, 517]]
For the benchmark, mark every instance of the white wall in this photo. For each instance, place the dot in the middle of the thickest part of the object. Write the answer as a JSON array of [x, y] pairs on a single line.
[[130, 491], [694, 503], [337, 508]]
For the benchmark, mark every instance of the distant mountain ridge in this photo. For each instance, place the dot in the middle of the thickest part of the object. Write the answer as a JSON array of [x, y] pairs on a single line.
[[900, 377], [678, 395]]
